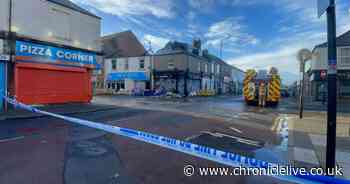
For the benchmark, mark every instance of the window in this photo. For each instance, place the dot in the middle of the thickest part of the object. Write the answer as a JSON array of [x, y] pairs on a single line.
[[206, 68], [217, 68], [142, 64], [345, 56], [126, 65], [171, 64], [114, 64], [62, 26], [199, 66], [212, 68]]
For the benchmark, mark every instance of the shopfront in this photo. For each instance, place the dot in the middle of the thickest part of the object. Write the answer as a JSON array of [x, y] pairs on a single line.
[[128, 82], [46, 74], [319, 84]]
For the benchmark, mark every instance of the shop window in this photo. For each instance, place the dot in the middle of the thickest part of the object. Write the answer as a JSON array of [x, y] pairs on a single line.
[[109, 85], [114, 64], [121, 84], [142, 64]]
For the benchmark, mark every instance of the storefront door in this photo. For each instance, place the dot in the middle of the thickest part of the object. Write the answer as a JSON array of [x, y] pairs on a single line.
[[49, 84]]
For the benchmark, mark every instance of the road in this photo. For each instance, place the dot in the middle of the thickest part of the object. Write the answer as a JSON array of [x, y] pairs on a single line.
[[48, 150]]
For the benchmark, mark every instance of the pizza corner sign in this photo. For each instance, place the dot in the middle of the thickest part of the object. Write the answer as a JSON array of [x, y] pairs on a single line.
[[54, 54]]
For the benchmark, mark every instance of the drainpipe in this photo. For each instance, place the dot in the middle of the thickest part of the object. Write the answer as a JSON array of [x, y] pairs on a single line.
[[186, 76], [152, 72], [10, 50]]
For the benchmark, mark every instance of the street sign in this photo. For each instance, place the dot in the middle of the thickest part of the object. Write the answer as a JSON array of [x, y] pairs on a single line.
[[322, 6], [4, 57]]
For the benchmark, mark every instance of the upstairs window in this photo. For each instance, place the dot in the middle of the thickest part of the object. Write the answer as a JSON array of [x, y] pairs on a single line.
[[345, 56], [126, 65], [114, 64], [142, 64], [171, 65]]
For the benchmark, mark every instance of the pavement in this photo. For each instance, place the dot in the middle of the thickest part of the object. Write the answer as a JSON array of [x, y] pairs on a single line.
[[307, 140], [64, 109]]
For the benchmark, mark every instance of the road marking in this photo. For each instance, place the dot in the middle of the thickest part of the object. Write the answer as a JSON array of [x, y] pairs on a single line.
[[238, 139], [305, 155], [235, 129], [11, 139]]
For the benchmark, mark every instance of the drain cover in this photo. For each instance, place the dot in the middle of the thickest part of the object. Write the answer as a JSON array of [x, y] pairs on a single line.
[[91, 148]]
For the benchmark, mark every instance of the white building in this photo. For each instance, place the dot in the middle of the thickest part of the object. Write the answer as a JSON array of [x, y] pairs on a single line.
[[319, 66], [128, 75], [55, 41]]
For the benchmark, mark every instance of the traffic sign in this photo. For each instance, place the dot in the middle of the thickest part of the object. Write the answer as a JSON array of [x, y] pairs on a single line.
[[4, 57], [322, 6]]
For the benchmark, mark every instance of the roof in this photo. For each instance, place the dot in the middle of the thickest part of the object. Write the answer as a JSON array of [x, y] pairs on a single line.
[[342, 40], [123, 44], [69, 4]]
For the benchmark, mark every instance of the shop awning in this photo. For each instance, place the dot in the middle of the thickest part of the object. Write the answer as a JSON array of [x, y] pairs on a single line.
[[140, 76]]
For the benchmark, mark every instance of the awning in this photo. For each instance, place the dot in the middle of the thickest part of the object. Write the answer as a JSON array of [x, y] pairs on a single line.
[[140, 76]]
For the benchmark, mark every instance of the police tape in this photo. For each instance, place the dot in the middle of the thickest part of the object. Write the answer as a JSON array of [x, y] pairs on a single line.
[[223, 157]]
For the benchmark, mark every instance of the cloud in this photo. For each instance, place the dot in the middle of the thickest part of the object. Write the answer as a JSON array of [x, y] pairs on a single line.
[[157, 8], [232, 33], [202, 5], [156, 41], [283, 58]]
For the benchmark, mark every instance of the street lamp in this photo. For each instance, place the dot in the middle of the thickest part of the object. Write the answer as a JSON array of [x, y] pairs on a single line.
[[303, 56]]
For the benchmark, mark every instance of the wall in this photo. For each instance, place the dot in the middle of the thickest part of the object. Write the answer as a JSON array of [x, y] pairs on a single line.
[[161, 62], [320, 58], [133, 65], [60, 25], [4, 14]]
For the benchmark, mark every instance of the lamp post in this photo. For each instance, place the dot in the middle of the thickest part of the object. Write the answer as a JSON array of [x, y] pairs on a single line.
[[303, 56]]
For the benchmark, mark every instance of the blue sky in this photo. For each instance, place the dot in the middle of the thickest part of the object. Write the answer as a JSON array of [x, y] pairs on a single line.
[[255, 33]]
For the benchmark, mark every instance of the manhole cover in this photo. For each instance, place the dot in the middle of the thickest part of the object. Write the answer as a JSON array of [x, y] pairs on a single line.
[[91, 148], [95, 151]]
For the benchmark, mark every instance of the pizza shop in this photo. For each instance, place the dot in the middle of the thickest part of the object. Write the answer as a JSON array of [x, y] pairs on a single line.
[[46, 74]]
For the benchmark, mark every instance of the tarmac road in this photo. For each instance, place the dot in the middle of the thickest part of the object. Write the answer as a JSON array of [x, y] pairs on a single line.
[[47, 150]]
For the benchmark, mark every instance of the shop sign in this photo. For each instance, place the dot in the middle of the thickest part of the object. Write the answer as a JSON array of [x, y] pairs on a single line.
[[54, 54], [141, 76]]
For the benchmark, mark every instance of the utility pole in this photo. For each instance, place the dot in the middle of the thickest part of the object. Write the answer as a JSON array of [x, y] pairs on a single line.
[[332, 86]]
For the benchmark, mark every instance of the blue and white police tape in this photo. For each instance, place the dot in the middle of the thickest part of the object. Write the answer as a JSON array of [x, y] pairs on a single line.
[[223, 157]]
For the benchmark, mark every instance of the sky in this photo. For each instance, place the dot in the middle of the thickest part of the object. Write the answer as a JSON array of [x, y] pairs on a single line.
[[254, 33]]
